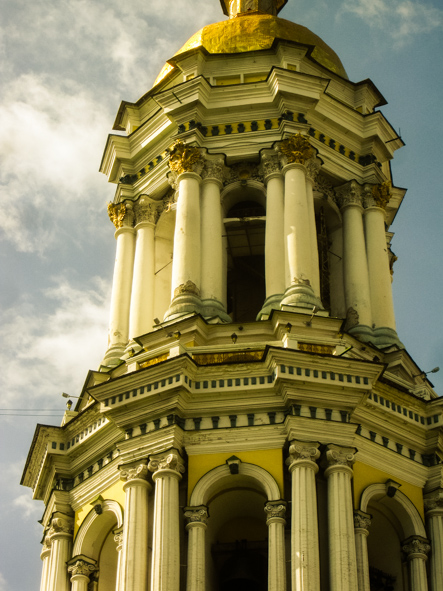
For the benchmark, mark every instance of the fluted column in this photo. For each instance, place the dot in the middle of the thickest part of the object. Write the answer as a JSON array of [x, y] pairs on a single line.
[[186, 164], [298, 228], [167, 471], [212, 231], [197, 518], [142, 299], [417, 549], [362, 523], [134, 572], [305, 568], [80, 570], [60, 536], [275, 512], [122, 217], [118, 539], [355, 264], [434, 520], [45, 555], [376, 198], [342, 555], [274, 238]]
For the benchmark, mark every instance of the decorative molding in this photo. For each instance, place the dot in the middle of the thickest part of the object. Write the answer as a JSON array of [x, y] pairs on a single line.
[[214, 170], [244, 172], [184, 158], [416, 547], [296, 149], [381, 194], [196, 515], [170, 461], [275, 510], [185, 288], [362, 521], [138, 473]]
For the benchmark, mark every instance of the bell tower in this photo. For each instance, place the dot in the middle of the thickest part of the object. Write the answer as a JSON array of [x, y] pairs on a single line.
[[256, 423]]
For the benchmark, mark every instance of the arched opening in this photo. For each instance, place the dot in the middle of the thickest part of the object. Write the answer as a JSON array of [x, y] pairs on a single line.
[[107, 564], [245, 225]]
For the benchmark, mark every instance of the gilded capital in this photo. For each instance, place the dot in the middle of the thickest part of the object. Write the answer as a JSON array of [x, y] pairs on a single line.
[[134, 473], [170, 461], [117, 213], [382, 194], [296, 149], [196, 515], [416, 547], [275, 510], [184, 158]]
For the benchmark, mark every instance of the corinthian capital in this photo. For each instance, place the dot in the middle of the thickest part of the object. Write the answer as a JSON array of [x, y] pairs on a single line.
[[214, 170], [184, 158], [169, 461], [270, 164], [139, 472], [301, 453], [81, 567], [61, 525], [296, 149], [145, 210], [434, 501], [313, 167], [340, 457], [121, 214], [196, 515], [416, 547], [362, 520], [349, 194]]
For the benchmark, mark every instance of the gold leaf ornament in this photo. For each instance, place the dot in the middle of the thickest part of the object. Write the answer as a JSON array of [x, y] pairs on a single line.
[[297, 148], [117, 214], [183, 158], [382, 194]]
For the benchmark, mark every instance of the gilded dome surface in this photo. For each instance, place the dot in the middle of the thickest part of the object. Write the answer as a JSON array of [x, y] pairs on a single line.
[[255, 32]]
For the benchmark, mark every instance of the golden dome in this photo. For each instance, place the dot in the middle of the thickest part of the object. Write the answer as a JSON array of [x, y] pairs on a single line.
[[255, 32]]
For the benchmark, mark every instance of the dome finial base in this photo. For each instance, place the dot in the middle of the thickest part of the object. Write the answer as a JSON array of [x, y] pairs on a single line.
[[233, 8]]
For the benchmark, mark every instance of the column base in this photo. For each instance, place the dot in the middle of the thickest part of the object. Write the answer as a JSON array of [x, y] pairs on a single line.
[[185, 303], [271, 303], [300, 295], [362, 332], [113, 355], [386, 337], [211, 308]]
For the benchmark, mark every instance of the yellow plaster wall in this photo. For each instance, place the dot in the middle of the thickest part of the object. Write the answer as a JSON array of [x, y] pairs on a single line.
[[268, 459], [113, 493], [365, 475]]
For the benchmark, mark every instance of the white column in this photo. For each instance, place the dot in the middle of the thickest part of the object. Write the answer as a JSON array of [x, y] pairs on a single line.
[[122, 283], [434, 520], [167, 470], [197, 523], [297, 228], [275, 511], [60, 535], [80, 571], [342, 554], [274, 238], [142, 299], [134, 575], [355, 264], [380, 280], [186, 164], [212, 241], [362, 523], [118, 539], [313, 168], [305, 568], [45, 556], [417, 550]]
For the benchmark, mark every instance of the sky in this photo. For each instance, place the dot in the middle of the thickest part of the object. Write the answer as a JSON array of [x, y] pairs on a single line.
[[65, 65]]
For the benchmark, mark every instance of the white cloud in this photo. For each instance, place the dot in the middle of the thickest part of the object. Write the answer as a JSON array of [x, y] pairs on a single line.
[[400, 19], [45, 353], [3, 584], [27, 506]]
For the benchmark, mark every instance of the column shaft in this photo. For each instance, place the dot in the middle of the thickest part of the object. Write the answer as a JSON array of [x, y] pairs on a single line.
[[134, 575], [274, 240], [315, 268], [61, 545], [79, 583], [378, 267], [46, 559], [276, 545], [212, 250], [121, 290], [362, 521], [196, 575], [342, 554], [435, 531], [142, 301]]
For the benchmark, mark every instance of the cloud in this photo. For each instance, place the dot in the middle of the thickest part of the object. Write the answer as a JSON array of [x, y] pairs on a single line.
[[29, 509], [3, 583], [45, 353], [401, 19]]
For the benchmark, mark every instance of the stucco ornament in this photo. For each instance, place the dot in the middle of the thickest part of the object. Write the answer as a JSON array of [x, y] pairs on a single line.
[[275, 510], [183, 158], [297, 149], [170, 461], [382, 194], [81, 567], [302, 453], [61, 525], [362, 520], [117, 214], [416, 547], [196, 514], [138, 473]]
